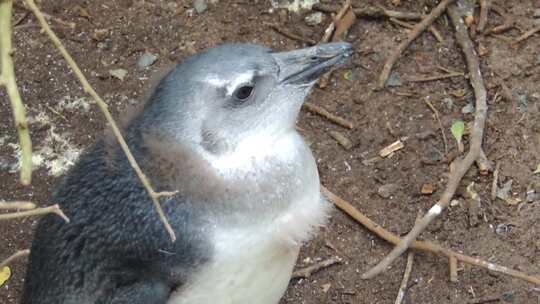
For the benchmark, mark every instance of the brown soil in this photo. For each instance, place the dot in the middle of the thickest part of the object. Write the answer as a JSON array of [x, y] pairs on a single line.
[[505, 234]]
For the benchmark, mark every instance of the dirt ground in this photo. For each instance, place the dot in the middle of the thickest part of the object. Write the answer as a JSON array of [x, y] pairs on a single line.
[[111, 35]]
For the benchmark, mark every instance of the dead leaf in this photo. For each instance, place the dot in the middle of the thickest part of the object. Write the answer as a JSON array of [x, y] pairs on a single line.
[[5, 273], [469, 19], [343, 25]]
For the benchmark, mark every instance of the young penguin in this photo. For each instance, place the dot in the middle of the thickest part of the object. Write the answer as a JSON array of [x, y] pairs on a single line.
[[220, 130]]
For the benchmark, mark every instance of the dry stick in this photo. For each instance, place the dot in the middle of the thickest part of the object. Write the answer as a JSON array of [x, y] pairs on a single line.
[[331, 32], [421, 245], [305, 273], [324, 113], [38, 211], [432, 29], [291, 35], [507, 24], [104, 109], [435, 77], [16, 255], [406, 275], [415, 32], [484, 10], [405, 280], [461, 165], [370, 12], [494, 186], [17, 205], [452, 265], [526, 35], [437, 117], [7, 79]]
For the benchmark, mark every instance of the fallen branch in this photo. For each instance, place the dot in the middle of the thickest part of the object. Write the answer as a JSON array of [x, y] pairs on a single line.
[[415, 32], [7, 79], [369, 12], [484, 10], [305, 273], [432, 29], [17, 205], [155, 196], [344, 19], [527, 35], [291, 35], [435, 77], [461, 165], [324, 113], [421, 245], [38, 211], [441, 127], [13, 257], [405, 281]]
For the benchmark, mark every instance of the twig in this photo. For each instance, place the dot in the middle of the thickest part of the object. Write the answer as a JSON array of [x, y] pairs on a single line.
[[405, 280], [494, 186], [305, 273], [461, 165], [415, 32], [345, 17], [435, 77], [17, 205], [370, 12], [324, 113], [16, 255], [38, 211], [452, 265], [291, 35], [441, 127], [332, 26], [61, 22], [483, 163], [432, 29], [7, 79], [527, 35], [421, 245], [486, 300], [484, 10], [507, 24], [407, 274], [104, 109]]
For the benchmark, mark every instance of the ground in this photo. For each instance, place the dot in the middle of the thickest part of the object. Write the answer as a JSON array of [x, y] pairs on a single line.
[[112, 35]]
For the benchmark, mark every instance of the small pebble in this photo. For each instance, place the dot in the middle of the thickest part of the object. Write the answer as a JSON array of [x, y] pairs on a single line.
[[118, 73], [469, 108], [386, 191], [146, 60], [314, 18], [200, 6]]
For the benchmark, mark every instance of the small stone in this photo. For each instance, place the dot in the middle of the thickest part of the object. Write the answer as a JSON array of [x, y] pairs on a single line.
[[200, 6], [469, 108], [314, 18], [341, 139], [118, 73], [386, 191], [393, 80], [146, 60], [326, 287], [427, 189], [454, 203], [448, 102], [522, 103]]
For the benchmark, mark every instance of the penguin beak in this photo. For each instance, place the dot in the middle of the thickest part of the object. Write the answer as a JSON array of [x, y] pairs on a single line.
[[304, 66]]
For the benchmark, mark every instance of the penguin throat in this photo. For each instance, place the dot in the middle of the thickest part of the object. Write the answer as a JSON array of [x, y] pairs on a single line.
[[255, 152]]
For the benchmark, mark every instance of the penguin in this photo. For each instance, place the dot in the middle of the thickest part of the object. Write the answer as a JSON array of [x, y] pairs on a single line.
[[219, 129]]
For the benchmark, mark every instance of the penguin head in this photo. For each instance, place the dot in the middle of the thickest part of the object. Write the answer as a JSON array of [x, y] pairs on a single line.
[[231, 94]]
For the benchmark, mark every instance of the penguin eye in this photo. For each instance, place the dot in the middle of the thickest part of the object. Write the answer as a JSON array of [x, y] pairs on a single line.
[[243, 92]]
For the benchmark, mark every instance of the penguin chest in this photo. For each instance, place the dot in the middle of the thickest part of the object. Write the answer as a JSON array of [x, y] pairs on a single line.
[[241, 272], [253, 264]]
